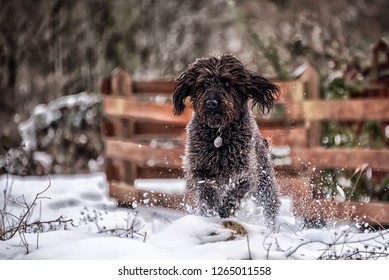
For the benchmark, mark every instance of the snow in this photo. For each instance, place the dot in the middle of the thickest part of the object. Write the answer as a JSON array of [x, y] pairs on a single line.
[[173, 186], [100, 230]]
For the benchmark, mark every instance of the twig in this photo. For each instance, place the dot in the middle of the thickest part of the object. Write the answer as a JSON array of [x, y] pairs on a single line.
[[145, 237], [248, 246], [358, 171], [28, 212], [267, 248], [133, 224], [286, 225]]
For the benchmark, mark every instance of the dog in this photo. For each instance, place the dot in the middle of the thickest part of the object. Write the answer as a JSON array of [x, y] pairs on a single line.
[[226, 159]]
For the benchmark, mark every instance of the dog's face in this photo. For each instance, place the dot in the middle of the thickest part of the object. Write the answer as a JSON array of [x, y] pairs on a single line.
[[219, 88]]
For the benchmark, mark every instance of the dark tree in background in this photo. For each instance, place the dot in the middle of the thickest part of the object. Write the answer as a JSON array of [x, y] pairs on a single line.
[[50, 48]]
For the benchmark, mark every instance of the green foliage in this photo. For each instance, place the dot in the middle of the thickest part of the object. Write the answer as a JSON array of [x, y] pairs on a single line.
[[334, 135], [342, 184], [340, 88], [384, 187], [366, 134], [345, 184]]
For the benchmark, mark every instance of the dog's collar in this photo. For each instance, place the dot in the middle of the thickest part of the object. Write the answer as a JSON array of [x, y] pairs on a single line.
[[218, 142]]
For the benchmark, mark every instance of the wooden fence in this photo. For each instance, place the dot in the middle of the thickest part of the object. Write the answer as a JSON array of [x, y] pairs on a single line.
[[143, 139]]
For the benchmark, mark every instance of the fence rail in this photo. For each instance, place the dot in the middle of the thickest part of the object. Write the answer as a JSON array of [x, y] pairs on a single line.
[[347, 110]]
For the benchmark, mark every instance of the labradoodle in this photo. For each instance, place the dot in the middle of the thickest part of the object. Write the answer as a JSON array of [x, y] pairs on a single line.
[[226, 159]]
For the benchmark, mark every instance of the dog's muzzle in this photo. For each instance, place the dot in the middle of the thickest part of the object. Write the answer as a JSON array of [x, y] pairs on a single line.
[[212, 111]]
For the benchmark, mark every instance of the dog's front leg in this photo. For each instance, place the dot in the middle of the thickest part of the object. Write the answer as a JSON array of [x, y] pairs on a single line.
[[205, 193], [208, 202], [267, 196], [233, 198]]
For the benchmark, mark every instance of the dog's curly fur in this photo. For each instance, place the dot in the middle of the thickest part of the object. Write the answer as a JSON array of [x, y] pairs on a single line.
[[219, 88]]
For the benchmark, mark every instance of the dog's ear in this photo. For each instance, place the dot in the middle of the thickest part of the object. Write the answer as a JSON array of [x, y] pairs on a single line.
[[263, 92], [180, 93]]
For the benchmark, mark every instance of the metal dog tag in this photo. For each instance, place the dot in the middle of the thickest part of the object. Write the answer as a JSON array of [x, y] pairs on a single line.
[[218, 142]]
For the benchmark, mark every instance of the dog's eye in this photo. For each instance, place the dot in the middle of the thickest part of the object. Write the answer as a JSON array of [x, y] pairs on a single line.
[[226, 84], [207, 83]]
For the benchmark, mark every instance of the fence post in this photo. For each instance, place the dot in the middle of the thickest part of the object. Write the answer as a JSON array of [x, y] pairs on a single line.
[[118, 84]]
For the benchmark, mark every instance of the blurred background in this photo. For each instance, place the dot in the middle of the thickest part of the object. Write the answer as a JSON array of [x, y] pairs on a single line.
[[54, 53]]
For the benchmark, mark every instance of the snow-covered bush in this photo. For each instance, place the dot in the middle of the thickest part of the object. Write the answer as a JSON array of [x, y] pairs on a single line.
[[60, 137]]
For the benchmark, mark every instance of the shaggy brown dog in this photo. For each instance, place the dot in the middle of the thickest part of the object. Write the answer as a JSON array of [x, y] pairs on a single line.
[[226, 159]]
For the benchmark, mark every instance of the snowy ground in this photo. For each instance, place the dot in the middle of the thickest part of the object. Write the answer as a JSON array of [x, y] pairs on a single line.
[[75, 219]]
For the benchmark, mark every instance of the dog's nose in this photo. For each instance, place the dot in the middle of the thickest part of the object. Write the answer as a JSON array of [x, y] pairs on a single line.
[[211, 104]]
